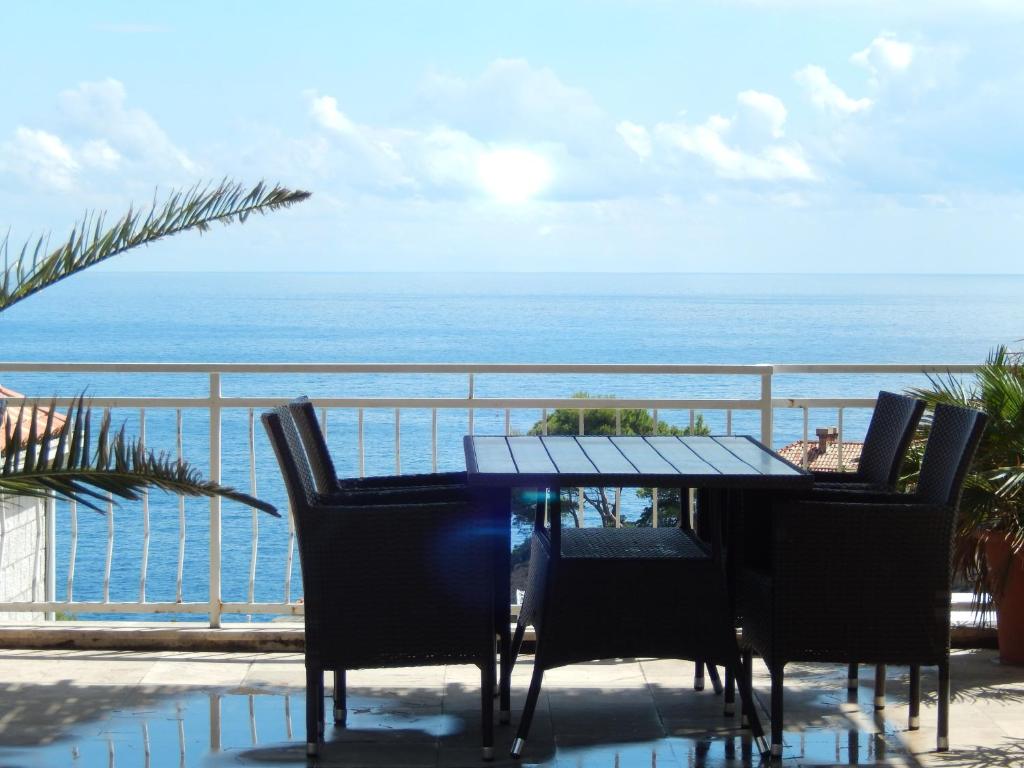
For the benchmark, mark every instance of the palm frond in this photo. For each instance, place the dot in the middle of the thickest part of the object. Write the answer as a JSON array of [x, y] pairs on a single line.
[[92, 241], [66, 465], [993, 493]]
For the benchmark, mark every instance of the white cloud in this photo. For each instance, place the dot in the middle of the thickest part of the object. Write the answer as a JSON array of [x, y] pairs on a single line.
[[775, 162], [99, 154], [366, 156], [100, 107], [41, 158], [826, 95], [324, 110], [449, 158], [510, 106], [45, 159], [767, 108], [746, 146], [636, 137], [514, 101], [513, 175], [790, 200], [885, 55]]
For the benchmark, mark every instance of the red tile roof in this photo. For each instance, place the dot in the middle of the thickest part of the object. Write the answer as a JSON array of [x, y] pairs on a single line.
[[823, 461], [15, 411]]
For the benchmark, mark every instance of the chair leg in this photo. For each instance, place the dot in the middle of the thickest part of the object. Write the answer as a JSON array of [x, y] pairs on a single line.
[[507, 660], [852, 677], [915, 698], [517, 643], [314, 704], [505, 684], [698, 675], [528, 708], [746, 677], [729, 703], [322, 708], [340, 712], [716, 681], [943, 730], [880, 686], [747, 702], [778, 678], [487, 705]]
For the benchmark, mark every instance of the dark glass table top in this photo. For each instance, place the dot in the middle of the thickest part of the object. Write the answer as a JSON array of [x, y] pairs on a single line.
[[693, 461]]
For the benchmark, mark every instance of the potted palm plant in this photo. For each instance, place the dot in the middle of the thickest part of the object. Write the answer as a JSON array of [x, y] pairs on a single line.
[[989, 548], [80, 460]]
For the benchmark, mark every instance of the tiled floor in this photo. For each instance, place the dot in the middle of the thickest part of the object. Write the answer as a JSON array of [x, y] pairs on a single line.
[[103, 708]]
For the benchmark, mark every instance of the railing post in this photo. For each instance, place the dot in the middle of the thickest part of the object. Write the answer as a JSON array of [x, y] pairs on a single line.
[[215, 601], [766, 407], [50, 558]]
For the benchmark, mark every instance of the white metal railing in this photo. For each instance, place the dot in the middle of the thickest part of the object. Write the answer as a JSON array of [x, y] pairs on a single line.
[[757, 406]]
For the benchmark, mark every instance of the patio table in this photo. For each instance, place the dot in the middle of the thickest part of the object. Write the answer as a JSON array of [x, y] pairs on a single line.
[[497, 465]]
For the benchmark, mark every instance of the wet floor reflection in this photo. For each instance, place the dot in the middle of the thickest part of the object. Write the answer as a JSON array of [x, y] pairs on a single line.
[[266, 728]]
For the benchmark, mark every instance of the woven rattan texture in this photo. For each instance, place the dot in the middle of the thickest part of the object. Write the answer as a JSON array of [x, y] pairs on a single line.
[[392, 584], [630, 543], [947, 456], [325, 473], [892, 426], [320, 461], [864, 582], [665, 599]]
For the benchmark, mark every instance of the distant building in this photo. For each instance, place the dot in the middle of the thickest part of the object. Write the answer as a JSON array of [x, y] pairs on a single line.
[[26, 559], [14, 413], [824, 455]]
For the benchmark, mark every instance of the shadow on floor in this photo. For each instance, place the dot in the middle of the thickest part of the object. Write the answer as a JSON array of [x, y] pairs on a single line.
[[654, 725]]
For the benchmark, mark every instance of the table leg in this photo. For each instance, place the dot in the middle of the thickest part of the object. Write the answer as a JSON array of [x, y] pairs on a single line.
[[501, 505]]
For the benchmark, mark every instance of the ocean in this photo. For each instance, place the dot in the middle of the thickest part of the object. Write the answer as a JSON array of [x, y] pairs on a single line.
[[459, 318]]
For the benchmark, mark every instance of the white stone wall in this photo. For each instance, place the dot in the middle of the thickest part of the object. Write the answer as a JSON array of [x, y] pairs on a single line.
[[22, 554]]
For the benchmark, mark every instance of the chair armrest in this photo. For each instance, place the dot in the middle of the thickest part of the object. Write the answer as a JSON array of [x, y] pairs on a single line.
[[860, 550], [345, 548], [806, 521], [858, 495], [835, 477], [397, 495], [432, 479]]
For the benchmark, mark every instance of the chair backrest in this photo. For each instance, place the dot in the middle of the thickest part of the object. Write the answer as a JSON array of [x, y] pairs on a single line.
[[952, 440], [291, 458], [888, 438], [325, 475]]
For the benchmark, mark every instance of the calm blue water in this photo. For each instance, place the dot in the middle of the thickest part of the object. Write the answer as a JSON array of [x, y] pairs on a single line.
[[530, 318]]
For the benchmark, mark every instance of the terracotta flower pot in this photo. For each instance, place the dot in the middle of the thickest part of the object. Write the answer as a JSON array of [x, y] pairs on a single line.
[[1007, 585]]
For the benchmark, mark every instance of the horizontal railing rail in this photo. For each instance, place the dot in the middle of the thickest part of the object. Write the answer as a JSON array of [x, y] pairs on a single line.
[[759, 396]]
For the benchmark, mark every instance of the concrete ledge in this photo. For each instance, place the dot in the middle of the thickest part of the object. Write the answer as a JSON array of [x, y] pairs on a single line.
[[965, 636], [286, 637], [270, 637]]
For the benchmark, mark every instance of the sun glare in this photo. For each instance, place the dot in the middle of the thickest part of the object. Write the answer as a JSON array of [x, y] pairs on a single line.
[[513, 175]]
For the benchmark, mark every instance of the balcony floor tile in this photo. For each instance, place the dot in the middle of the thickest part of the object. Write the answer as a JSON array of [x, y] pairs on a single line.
[[98, 708]]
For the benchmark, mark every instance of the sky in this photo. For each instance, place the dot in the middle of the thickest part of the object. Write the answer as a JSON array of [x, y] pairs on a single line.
[[561, 136]]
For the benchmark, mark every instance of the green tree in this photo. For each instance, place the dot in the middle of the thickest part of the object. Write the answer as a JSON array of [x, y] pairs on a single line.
[[82, 461], [612, 421]]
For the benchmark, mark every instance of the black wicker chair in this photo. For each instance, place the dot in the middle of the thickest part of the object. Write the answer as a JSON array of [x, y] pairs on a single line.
[[890, 431], [888, 437], [866, 580], [600, 593], [433, 487], [392, 585], [326, 477]]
